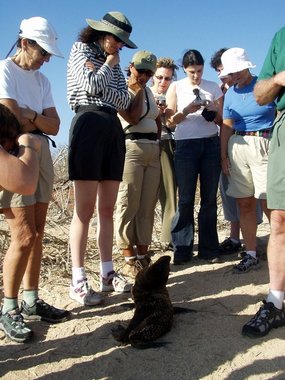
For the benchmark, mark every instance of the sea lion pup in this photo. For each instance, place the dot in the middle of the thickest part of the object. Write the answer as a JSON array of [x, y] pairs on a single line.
[[153, 315]]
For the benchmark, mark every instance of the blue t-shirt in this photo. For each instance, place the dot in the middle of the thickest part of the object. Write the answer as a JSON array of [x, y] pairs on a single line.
[[240, 106]]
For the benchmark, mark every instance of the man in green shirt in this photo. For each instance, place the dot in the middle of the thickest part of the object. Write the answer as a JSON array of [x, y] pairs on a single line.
[[270, 87]]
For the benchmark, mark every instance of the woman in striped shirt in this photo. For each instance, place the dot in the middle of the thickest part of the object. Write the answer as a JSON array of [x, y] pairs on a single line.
[[96, 89]]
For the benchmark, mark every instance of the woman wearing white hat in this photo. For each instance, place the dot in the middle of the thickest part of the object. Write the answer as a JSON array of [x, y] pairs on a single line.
[[96, 90], [245, 138], [27, 93]]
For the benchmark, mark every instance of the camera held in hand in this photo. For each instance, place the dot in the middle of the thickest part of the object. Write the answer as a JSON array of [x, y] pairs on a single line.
[[161, 101]]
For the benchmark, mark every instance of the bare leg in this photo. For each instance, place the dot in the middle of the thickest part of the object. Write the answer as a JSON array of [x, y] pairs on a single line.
[[276, 251], [235, 230], [248, 221], [85, 193], [23, 232], [107, 196], [32, 273]]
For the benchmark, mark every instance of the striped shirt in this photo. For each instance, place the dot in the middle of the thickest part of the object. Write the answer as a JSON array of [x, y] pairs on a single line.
[[103, 86]]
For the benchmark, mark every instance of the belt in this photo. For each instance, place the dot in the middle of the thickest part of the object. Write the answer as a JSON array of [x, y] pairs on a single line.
[[267, 133], [139, 136], [94, 107]]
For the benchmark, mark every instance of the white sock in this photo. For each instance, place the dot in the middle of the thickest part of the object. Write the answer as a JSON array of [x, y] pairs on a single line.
[[141, 256], [78, 275], [235, 240], [276, 297], [251, 253], [106, 267]]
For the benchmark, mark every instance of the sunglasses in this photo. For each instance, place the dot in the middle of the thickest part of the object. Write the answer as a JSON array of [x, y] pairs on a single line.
[[43, 52], [160, 77], [117, 39], [148, 73]]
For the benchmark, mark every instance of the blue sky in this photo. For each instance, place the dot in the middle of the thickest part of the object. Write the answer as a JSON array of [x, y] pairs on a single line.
[[166, 28]]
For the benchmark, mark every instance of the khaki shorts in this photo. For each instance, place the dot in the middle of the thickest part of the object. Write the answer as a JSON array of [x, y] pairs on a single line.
[[248, 157], [45, 185], [276, 166]]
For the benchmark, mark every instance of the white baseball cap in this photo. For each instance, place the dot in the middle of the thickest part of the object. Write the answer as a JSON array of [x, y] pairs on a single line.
[[41, 31], [234, 60]]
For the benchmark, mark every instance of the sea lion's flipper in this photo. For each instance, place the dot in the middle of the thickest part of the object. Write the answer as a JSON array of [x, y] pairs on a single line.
[[183, 310], [119, 333]]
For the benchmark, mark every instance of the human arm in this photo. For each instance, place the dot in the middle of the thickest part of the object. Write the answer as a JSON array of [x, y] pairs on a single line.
[[134, 111], [20, 174], [225, 133], [267, 90], [48, 122]]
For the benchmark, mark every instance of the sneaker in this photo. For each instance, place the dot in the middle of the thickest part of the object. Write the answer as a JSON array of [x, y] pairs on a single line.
[[228, 246], [114, 282], [247, 263], [84, 294], [267, 318], [42, 311], [133, 267], [14, 327]]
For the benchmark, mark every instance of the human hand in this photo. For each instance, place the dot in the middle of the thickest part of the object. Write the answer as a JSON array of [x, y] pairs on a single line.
[[280, 78], [113, 59], [133, 84], [30, 140], [225, 163], [90, 65]]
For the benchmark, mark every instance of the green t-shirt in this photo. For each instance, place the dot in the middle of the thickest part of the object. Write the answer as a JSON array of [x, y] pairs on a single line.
[[274, 63]]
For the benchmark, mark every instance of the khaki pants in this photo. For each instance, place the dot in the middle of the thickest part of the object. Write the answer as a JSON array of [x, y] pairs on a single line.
[[138, 194]]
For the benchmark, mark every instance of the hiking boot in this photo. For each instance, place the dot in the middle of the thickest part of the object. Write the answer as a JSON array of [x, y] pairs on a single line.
[[42, 311], [14, 327], [228, 247], [84, 294], [246, 264], [241, 255], [114, 282], [131, 269], [267, 318]]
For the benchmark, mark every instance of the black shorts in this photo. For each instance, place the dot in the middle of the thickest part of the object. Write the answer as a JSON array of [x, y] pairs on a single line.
[[96, 147]]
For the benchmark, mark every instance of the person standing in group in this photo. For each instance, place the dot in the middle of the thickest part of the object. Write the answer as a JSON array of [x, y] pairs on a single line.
[[27, 93], [163, 76], [232, 243], [269, 87], [96, 90], [194, 105], [138, 191], [245, 140]]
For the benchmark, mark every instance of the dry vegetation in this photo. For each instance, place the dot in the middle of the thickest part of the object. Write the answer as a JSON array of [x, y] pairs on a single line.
[[56, 258]]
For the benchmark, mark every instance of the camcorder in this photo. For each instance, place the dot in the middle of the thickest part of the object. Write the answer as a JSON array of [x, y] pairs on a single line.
[[208, 115]]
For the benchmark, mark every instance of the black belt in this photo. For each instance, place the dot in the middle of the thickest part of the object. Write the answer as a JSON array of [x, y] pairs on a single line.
[[139, 136], [94, 107]]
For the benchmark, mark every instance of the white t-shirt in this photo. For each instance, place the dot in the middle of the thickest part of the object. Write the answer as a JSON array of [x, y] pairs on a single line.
[[195, 126], [30, 88]]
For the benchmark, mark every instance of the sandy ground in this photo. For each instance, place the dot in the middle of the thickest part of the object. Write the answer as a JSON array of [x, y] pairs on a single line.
[[204, 345]]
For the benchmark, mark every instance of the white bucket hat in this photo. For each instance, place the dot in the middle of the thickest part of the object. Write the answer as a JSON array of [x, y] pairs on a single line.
[[39, 30], [235, 60], [115, 23]]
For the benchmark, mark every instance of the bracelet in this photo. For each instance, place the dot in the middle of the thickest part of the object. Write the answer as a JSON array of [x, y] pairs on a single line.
[[185, 113], [34, 118], [29, 147]]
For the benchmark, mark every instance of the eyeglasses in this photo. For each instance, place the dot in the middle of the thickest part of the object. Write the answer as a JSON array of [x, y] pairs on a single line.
[[117, 39], [160, 77], [148, 73], [43, 52]]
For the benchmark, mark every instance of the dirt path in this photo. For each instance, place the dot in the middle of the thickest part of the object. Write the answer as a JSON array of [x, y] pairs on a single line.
[[202, 345]]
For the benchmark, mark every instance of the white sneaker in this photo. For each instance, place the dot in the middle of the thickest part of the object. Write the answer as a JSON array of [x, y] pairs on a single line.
[[114, 282], [84, 294]]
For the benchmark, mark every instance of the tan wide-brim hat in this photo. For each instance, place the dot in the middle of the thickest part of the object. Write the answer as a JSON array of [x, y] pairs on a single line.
[[115, 23]]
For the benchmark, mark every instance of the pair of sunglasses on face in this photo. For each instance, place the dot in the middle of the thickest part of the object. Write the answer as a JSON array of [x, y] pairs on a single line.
[[43, 52]]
